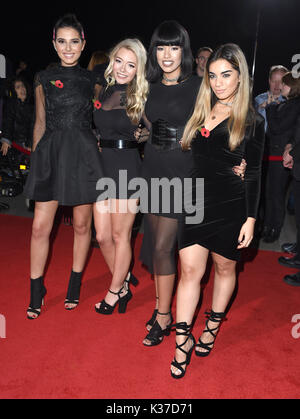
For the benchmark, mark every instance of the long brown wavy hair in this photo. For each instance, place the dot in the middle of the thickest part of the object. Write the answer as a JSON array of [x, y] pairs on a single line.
[[206, 98]]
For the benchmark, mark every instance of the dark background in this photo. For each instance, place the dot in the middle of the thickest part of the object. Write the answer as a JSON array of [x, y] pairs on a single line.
[[26, 28]]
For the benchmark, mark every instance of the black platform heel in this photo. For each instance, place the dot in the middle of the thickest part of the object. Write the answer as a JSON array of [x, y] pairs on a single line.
[[212, 317], [179, 365], [132, 280], [37, 294], [73, 292], [153, 318], [106, 308], [156, 334]]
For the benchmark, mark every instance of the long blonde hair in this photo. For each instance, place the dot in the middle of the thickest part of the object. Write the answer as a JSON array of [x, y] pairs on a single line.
[[138, 88], [206, 98]]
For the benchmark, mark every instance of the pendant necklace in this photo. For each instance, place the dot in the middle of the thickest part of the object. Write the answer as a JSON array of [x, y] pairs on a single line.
[[229, 104]]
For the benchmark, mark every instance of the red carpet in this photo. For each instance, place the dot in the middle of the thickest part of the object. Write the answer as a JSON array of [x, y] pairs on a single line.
[[81, 354]]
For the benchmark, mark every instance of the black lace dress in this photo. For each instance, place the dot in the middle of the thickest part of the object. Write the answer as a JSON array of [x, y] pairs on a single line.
[[65, 165], [113, 124], [167, 111]]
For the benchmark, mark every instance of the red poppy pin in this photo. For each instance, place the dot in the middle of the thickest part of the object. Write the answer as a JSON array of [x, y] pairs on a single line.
[[204, 132], [97, 104], [57, 83]]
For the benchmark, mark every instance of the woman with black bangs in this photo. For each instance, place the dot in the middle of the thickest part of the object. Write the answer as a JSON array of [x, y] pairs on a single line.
[[170, 103]]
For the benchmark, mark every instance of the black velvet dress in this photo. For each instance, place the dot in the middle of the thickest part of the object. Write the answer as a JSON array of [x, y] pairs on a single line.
[[227, 199], [168, 109], [113, 123], [65, 165]]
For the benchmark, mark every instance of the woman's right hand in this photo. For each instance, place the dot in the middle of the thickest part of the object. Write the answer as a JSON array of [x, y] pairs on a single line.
[[4, 148]]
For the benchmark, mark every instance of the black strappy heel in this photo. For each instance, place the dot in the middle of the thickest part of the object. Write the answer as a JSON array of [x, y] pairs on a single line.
[[156, 334], [153, 318], [106, 308], [73, 292], [37, 294], [213, 317], [132, 280], [185, 332]]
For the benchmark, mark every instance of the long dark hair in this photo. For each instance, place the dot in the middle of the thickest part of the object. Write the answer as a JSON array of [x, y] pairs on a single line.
[[12, 90], [68, 21], [293, 83], [169, 33]]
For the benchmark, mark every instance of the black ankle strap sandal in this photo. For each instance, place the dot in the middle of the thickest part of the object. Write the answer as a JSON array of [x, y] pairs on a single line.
[[106, 308], [156, 334], [185, 331], [211, 317]]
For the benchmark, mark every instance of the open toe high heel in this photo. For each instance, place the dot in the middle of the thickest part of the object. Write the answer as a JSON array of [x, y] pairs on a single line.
[[106, 308], [183, 329], [211, 317], [37, 294], [157, 334], [73, 292], [153, 318]]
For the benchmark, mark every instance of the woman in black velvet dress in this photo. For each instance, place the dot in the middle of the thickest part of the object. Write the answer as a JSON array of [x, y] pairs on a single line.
[[121, 105], [65, 162], [222, 130], [170, 103]]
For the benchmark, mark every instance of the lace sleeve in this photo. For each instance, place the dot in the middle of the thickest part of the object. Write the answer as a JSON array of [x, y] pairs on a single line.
[[40, 113]]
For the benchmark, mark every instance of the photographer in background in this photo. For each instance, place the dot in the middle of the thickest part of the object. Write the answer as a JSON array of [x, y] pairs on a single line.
[[17, 116], [291, 160]]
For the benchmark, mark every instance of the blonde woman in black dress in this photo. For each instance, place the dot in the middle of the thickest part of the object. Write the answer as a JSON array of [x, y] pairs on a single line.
[[222, 130], [121, 105]]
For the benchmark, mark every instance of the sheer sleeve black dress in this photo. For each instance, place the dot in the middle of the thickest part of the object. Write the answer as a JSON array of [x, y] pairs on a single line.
[[120, 155], [65, 165], [228, 200], [168, 109]]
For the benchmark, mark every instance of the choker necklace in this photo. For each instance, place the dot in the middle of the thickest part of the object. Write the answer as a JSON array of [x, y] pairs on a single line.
[[170, 80], [226, 104]]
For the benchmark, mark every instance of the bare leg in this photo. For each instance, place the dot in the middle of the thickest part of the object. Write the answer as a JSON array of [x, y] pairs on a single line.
[[44, 213], [103, 226], [224, 284], [82, 219], [193, 261], [121, 223]]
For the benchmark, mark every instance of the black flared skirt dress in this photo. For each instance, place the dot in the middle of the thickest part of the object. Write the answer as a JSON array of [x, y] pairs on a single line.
[[66, 164]]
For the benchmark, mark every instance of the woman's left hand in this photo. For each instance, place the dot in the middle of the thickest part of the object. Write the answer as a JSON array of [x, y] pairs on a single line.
[[246, 233], [241, 169]]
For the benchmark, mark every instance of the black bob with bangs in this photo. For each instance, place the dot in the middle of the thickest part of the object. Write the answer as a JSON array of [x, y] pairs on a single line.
[[169, 33]]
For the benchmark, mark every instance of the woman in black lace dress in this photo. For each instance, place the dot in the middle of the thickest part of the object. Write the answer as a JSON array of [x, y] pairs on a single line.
[[121, 105], [65, 163]]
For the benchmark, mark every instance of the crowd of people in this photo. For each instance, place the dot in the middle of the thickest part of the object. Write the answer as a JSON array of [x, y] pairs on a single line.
[[197, 120]]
